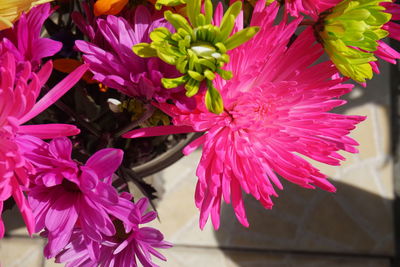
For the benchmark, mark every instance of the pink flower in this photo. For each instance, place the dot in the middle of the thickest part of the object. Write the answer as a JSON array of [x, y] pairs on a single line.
[[66, 194], [384, 51], [24, 39], [18, 95], [276, 109], [122, 249], [308, 7], [114, 64]]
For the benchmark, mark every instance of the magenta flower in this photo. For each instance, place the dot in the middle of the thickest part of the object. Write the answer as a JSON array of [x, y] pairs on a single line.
[[24, 39], [122, 249], [276, 109], [308, 7], [67, 194], [114, 64], [18, 95], [384, 51]]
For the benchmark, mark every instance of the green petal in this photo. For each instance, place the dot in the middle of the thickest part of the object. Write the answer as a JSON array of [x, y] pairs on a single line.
[[160, 34], [144, 50], [240, 37], [173, 82], [193, 10], [213, 99], [192, 87], [178, 21], [208, 8], [161, 3], [195, 75]]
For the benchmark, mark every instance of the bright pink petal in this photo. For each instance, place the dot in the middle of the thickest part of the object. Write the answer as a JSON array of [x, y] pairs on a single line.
[[157, 131], [58, 91], [105, 162], [47, 131]]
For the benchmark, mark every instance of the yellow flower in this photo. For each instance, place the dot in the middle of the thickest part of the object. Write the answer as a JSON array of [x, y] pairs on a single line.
[[11, 10], [108, 7]]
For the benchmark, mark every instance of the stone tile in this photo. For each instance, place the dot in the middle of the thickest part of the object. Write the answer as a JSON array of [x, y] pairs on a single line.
[[200, 257], [356, 219], [14, 223], [18, 252], [365, 133], [51, 263], [193, 257], [254, 259]]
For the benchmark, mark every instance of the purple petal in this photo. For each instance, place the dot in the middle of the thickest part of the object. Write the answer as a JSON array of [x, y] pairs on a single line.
[[105, 162]]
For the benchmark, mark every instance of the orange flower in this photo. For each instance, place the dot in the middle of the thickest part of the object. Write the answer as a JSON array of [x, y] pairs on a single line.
[[109, 7], [68, 65]]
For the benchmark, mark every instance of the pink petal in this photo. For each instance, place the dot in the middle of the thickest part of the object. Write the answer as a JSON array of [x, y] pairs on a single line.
[[48, 131], [54, 94], [105, 162], [158, 130]]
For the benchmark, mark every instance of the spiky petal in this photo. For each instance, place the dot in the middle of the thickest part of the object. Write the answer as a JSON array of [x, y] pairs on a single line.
[[276, 109]]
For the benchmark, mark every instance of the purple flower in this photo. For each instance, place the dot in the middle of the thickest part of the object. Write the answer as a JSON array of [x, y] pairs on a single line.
[[114, 64], [67, 194], [24, 40], [129, 244], [19, 90]]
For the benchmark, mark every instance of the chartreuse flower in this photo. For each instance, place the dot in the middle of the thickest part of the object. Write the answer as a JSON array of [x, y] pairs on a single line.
[[198, 49], [350, 33]]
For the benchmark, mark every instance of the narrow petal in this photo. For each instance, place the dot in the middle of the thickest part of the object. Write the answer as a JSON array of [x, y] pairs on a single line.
[[158, 130], [58, 91]]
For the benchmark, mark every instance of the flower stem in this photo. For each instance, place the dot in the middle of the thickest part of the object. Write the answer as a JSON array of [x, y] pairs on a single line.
[[146, 115]]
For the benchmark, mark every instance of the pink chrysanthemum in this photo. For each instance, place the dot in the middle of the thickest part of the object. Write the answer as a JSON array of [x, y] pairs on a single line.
[[308, 7], [384, 51], [122, 249], [114, 64], [276, 109], [18, 95], [24, 39], [66, 194]]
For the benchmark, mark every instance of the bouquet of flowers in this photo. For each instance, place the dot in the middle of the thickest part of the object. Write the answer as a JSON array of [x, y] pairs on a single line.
[[90, 90]]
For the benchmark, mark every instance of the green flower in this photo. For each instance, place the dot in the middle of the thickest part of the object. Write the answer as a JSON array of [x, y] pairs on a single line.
[[198, 49], [350, 33]]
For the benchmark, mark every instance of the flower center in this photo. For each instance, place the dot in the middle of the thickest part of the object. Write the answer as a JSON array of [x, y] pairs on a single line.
[[70, 186], [205, 50], [120, 233]]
